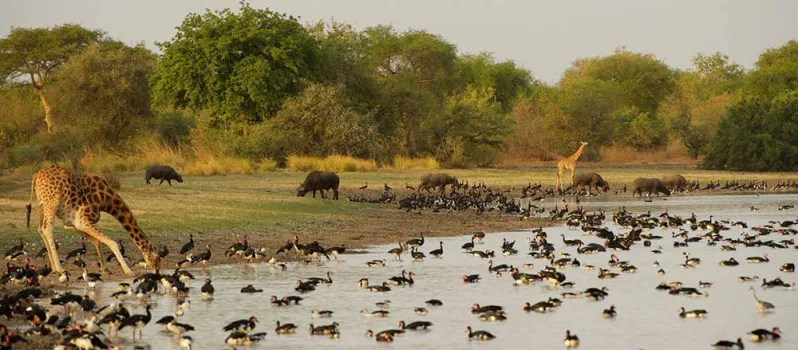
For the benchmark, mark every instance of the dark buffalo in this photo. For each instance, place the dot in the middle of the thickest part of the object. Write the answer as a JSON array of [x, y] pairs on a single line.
[[676, 182], [319, 181], [439, 180], [650, 186], [162, 172], [591, 180]]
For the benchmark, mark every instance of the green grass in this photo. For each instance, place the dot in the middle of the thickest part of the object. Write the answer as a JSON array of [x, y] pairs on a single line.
[[265, 203]]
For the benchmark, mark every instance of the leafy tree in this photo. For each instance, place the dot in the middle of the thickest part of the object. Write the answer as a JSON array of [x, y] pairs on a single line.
[[639, 130], [241, 65], [591, 104], [505, 78], [31, 55], [104, 92]]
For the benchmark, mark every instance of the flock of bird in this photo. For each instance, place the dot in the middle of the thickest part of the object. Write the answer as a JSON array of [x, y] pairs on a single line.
[[78, 322]]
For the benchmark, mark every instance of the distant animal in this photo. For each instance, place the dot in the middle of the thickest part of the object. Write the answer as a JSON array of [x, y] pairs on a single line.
[[591, 180], [162, 172], [319, 181], [675, 182], [439, 180], [649, 186]]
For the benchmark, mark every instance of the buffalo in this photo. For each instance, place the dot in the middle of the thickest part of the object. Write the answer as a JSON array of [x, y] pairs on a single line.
[[592, 181], [676, 182], [439, 180], [319, 181], [162, 172], [650, 186]]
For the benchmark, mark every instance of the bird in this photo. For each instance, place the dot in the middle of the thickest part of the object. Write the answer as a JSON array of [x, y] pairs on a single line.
[[185, 342], [407, 186], [377, 313], [697, 313], [387, 188], [383, 304], [437, 252], [397, 252], [315, 313], [725, 344], [479, 335], [243, 325], [759, 335], [78, 251], [364, 186], [434, 302], [415, 242], [609, 313], [207, 290], [286, 328], [758, 259], [762, 305], [15, 251], [417, 325], [571, 340], [188, 246], [471, 278], [250, 289], [138, 322]]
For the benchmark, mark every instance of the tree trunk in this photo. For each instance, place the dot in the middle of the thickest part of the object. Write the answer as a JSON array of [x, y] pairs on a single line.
[[48, 112]]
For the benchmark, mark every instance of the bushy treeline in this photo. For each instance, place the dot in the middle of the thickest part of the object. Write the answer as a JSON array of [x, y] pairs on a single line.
[[259, 85]]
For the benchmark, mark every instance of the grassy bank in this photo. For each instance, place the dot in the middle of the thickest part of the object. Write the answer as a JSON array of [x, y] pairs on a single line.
[[219, 209]]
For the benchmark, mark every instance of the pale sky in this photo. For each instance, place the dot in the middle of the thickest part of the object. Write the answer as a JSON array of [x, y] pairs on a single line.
[[542, 36]]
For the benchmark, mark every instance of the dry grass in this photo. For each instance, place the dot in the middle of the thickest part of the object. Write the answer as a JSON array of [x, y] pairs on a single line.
[[415, 163], [674, 153], [332, 163]]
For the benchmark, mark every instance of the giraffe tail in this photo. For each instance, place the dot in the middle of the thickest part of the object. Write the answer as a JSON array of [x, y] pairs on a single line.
[[29, 207]]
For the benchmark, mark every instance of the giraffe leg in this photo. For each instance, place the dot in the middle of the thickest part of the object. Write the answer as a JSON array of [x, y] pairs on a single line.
[[47, 217], [572, 175], [93, 231], [101, 259]]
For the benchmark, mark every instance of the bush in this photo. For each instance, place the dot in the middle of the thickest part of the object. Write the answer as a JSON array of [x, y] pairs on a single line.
[[174, 128], [331, 163], [21, 155], [113, 180], [400, 162]]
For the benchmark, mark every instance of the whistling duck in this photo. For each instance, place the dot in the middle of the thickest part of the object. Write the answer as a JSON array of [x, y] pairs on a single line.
[[382, 337], [748, 279], [383, 304], [376, 263], [542, 306], [207, 290], [293, 298], [476, 308], [278, 302], [327, 280], [697, 313], [609, 313], [304, 287], [315, 313], [324, 330], [468, 246], [379, 288], [397, 252], [288, 328], [434, 302], [730, 262], [245, 326], [479, 236], [415, 242], [725, 344], [416, 326], [788, 267], [762, 305], [437, 252], [421, 311], [571, 340], [376, 313], [251, 289], [178, 329], [478, 335], [758, 259], [487, 254], [417, 256], [759, 335], [241, 338], [493, 316], [137, 322], [335, 251], [471, 278]]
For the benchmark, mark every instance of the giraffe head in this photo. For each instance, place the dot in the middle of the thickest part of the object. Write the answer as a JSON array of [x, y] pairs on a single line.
[[583, 143], [152, 258]]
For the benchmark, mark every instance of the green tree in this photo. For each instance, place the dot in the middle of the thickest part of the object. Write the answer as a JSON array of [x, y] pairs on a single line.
[[639, 130], [104, 92], [591, 104], [33, 54], [241, 65], [505, 78]]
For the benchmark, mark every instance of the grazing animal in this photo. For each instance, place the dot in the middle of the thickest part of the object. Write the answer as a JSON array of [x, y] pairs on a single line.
[[592, 181], [675, 182], [78, 200], [319, 181], [438, 180], [570, 164], [163, 173], [650, 186]]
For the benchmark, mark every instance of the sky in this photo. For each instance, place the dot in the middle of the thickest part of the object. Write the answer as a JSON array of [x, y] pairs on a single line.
[[542, 36]]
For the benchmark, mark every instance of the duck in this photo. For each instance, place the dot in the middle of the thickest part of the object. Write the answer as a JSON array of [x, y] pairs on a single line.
[[437, 252], [758, 259], [748, 279], [243, 325], [493, 316], [304, 287], [251, 289], [421, 311], [477, 309], [328, 330], [315, 313], [138, 322], [541, 307], [397, 252], [788, 267], [189, 246], [725, 344], [469, 245], [293, 298], [417, 255], [178, 329], [471, 278], [502, 267], [379, 288], [702, 284], [730, 262], [327, 280], [434, 302], [383, 304], [377, 263], [697, 313], [479, 236], [479, 335], [415, 242], [377, 313], [416, 326], [571, 340], [207, 290], [287, 328], [609, 313], [278, 302], [760, 334], [380, 337]]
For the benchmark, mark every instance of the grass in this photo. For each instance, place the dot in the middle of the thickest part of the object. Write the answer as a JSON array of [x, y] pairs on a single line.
[[221, 207], [332, 163]]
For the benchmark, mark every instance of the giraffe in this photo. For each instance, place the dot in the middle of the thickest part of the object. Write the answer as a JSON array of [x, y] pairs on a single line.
[[77, 200], [569, 163]]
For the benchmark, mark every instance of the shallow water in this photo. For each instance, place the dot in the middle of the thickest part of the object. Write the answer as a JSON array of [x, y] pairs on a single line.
[[647, 318]]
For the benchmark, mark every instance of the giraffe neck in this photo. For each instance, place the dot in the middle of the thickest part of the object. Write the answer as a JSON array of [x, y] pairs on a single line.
[[122, 213], [578, 153]]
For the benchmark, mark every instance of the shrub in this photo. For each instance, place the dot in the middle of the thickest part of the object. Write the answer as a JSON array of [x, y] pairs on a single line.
[[400, 162], [331, 163]]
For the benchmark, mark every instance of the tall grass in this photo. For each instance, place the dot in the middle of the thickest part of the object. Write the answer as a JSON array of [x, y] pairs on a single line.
[[415, 163], [331, 163]]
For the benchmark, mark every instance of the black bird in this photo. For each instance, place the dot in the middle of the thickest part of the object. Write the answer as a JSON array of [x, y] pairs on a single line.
[[111, 256], [138, 322], [245, 326], [77, 252], [15, 250], [418, 325], [163, 252], [364, 186], [207, 290], [388, 188], [469, 246], [437, 252], [409, 187], [188, 246], [250, 289], [471, 278]]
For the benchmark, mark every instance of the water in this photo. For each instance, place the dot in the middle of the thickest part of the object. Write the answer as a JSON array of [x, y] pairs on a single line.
[[647, 318]]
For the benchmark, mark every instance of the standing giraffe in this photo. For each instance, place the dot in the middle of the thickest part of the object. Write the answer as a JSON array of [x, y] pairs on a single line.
[[77, 200], [569, 163]]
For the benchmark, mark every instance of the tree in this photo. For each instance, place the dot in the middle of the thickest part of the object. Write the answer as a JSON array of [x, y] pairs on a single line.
[[241, 65], [591, 104], [104, 92], [505, 78], [33, 54]]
